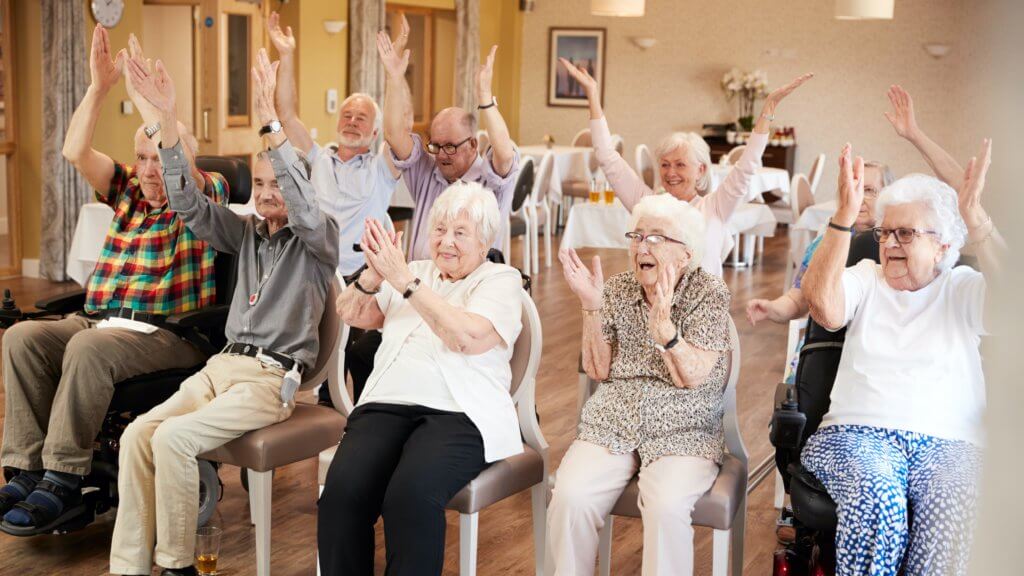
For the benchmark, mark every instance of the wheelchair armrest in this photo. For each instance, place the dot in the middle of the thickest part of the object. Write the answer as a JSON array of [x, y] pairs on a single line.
[[65, 303], [204, 318], [788, 421]]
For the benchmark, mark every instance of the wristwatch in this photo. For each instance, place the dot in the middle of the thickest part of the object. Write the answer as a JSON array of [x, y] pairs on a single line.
[[411, 288], [272, 128], [494, 102], [151, 130], [670, 345]]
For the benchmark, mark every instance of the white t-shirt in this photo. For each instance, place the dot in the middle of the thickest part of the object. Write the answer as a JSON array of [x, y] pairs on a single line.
[[417, 380], [911, 359], [479, 384]]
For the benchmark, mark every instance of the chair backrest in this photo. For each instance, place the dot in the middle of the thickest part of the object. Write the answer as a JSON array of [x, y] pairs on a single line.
[[527, 349], [582, 139], [332, 333], [645, 166], [542, 182], [734, 155], [814, 176], [524, 183], [619, 144], [800, 195], [483, 142]]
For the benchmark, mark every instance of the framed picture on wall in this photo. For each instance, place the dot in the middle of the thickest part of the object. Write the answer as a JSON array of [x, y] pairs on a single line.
[[583, 47]]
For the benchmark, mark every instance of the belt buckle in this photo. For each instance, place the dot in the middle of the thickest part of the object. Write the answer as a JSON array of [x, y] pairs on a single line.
[[264, 358]]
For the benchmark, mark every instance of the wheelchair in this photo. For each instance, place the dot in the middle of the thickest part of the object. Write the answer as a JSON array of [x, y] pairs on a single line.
[[137, 395]]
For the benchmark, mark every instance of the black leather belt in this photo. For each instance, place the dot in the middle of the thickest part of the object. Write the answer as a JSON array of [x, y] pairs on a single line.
[[256, 351], [129, 314]]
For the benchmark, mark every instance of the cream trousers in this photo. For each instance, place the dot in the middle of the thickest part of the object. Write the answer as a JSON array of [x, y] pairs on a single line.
[[158, 482], [589, 482]]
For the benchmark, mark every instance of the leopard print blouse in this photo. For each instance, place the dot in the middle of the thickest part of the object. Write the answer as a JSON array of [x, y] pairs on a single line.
[[638, 408]]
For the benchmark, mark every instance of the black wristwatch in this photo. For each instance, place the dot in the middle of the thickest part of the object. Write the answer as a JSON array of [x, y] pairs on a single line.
[[669, 345], [494, 102], [273, 128], [411, 288], [359, 286], [835, 226]]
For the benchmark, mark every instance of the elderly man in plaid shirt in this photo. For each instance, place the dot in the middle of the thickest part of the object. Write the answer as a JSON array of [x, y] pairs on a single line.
[[59, 375]]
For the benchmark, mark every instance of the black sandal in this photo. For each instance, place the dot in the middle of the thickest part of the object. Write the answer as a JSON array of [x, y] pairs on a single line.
[[8, 501], [42, 519]]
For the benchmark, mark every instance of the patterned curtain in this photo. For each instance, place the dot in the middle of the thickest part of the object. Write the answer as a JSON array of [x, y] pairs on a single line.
[[64, 86], [366, 73], [467, 52]]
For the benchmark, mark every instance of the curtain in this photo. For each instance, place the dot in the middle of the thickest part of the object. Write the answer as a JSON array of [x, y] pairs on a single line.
[[467, 52], [64, 85], [366, 73]]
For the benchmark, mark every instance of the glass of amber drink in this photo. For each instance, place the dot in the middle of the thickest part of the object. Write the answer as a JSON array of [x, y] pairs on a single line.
[[207, 550]]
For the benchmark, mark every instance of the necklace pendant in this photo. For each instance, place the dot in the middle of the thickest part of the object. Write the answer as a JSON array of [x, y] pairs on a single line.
[[253, 298]]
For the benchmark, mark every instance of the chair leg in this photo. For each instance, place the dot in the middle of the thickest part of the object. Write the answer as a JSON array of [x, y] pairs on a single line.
[[260, 484], [319, 492], [539, 497], [735, 250], [739, 524], [780, 491], [604, 547], [547, 237], [760, 247], [469, 525], [720, 553]]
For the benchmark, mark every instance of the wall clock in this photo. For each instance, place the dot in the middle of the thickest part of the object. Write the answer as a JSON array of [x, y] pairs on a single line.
[[107, 12]]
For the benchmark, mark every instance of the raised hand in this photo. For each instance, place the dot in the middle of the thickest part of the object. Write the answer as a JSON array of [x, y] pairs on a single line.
[[283, 40], [264, 76], [779, 94], [394, 57], [587, 285], [969, 195], [383, 251], [851, 187], [484, 78], [757, 310], [659, 321], [105, 70], [902, 116], [581, 75], [402, 40], [152, 87]]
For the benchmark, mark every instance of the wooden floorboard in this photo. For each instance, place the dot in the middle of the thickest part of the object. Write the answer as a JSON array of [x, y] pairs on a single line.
[[506, 537]]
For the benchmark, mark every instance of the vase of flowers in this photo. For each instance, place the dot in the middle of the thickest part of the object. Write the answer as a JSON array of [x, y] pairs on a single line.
[[746, 88]]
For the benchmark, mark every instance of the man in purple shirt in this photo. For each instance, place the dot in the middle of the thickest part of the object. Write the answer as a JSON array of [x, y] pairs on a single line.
[[452, 153]]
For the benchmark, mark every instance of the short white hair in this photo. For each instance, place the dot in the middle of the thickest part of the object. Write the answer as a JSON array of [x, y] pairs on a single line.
[[476, 201], [378, 121], [688, 224], [698, 148], [940, 199]]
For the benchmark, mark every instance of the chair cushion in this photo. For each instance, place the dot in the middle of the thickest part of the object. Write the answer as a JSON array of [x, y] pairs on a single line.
[[576, 188], [812, 505], [500, 480], [715, 509], [309, 430]]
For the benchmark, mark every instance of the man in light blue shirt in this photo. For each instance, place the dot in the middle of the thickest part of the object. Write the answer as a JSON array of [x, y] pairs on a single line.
[[352, 183]]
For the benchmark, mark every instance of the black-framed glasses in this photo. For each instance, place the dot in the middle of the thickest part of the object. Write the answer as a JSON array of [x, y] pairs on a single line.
[[651, 239], [903, 235], [449, 149]]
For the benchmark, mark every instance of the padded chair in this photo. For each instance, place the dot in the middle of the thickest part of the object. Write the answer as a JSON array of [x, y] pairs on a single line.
[[814, 176], [512, 475], [582, 139], [800, 197], [723, 507], [308, 431], [546, 198], [644, 164], [734, 155], [574, 186], [522, 214]]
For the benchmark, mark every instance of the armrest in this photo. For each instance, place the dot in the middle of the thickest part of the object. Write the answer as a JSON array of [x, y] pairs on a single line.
[[204, 318], [65, 303], [788, 422]]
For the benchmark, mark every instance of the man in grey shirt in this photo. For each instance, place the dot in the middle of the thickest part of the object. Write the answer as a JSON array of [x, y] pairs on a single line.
[[286, 262]]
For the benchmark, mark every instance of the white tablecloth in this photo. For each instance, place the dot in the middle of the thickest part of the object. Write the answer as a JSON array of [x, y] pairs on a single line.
[[91, 230], [764, 179], [816, 216], [571, 162]]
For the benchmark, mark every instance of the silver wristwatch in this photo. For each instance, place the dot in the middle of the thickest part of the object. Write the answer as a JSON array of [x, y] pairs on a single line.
[[151, 130]]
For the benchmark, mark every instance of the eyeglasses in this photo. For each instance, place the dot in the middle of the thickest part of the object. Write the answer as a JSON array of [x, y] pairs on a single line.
[[871, 193], [903, 235], [449, 149], [651, 239]]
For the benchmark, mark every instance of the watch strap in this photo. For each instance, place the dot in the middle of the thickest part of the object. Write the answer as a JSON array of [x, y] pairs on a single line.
[[835, 226], [410, 288]]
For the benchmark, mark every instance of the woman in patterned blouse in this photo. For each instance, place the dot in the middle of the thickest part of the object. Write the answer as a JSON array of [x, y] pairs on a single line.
[[658, 338]]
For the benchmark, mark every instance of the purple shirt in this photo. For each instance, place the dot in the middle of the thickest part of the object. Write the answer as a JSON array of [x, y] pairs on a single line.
[[425, 184]]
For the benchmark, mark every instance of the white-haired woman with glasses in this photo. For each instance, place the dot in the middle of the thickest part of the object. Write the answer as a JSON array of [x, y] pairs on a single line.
[[436, 409], [658, 338], [900, 448], [684, 162]]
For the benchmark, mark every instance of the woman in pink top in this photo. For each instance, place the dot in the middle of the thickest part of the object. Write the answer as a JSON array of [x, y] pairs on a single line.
[[684, 160]]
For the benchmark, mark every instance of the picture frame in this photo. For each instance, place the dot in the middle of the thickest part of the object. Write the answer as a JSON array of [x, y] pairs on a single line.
[[585, 46]]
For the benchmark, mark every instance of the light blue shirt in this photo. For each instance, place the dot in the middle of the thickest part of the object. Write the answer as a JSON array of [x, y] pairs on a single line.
[[351, 191]]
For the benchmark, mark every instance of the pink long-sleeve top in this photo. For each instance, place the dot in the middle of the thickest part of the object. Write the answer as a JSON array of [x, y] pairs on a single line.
[[717, 207]]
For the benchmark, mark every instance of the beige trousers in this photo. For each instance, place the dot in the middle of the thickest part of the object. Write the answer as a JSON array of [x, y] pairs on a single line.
[[232, 395], [59, 378], [590, 480]]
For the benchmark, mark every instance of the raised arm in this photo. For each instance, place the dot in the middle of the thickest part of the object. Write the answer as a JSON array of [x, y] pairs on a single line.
[[789, 306], [287, 95], [688, 365], [589, 288], [983, 240], [628, 185], [97, 168], [904, 121], [398, 114], [823, 281], [503, 150], [357, 305]]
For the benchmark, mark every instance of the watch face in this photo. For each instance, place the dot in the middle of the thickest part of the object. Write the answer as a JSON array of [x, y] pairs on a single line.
[[107, 12]]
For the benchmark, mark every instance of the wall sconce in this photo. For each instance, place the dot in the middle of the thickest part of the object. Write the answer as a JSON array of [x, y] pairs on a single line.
[[937, 50], [643, 43], [617, 7], [526, 5], [864, 9], [334, 26]]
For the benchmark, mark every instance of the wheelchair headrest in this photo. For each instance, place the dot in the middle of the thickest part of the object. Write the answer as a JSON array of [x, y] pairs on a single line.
[[235, 170], [862, 247]]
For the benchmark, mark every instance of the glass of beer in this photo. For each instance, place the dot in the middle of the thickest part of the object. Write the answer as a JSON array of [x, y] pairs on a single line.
[[595, 190], [609, 194], [207, 550]]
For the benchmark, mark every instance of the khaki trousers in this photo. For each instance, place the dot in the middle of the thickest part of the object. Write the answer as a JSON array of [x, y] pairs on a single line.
[[589, 482], [59, 378], [232, 395]]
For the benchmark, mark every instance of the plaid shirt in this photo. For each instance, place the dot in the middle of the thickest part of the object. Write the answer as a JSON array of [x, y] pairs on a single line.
[[150, 261]]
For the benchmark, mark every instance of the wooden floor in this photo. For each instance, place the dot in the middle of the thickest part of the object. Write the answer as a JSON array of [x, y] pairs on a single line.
[[506, 541]]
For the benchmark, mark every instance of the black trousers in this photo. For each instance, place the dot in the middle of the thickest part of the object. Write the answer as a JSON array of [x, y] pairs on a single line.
[[403, 463], [360, 349]]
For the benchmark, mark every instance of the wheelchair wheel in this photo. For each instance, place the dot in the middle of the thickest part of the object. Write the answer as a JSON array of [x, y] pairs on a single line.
[[209, 491]]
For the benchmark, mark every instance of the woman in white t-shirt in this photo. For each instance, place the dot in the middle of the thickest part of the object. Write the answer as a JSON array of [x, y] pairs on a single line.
[[436, 409], [903, 432]]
